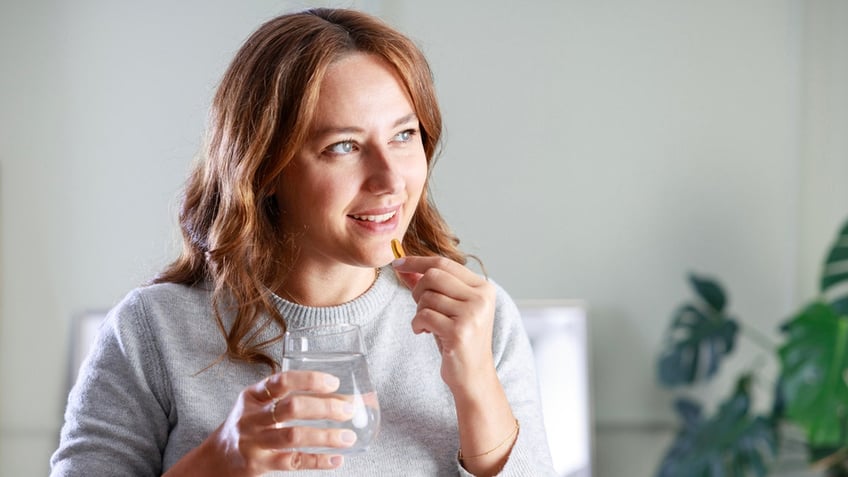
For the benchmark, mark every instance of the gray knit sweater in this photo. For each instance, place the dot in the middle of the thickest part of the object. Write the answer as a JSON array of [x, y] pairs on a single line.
[[147, 394]]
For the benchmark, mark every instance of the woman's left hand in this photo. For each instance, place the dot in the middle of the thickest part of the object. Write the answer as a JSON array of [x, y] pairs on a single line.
[[457, 306]]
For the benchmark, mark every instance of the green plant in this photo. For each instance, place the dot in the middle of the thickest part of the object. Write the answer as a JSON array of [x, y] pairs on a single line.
[[811, 393]]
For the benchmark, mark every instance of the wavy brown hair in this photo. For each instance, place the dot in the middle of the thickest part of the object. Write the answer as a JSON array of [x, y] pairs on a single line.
[[260, 118]]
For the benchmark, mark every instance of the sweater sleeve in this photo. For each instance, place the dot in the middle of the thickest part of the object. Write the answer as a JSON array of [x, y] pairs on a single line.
[[117, 417], [515, 365]]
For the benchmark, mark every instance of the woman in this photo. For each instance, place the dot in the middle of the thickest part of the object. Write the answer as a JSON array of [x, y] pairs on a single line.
[[321, 139]]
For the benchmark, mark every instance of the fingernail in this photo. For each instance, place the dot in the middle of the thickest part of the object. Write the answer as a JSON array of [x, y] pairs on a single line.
[[332, 381], [348, 437], [398, 262], [348, 409], [336, 460]]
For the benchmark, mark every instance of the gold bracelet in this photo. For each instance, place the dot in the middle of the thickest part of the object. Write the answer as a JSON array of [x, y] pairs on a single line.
[[513, 433]]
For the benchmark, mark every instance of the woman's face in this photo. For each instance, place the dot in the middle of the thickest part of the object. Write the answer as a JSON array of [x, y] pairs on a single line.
[[356, 183]]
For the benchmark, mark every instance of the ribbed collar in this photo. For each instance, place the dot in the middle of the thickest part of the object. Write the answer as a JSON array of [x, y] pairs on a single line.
[[360, 311]]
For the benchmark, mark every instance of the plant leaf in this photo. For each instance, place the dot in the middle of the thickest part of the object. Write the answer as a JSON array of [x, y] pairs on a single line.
[[695, 344], [710, 291], [834, 280], [732, 442], [814, 361]]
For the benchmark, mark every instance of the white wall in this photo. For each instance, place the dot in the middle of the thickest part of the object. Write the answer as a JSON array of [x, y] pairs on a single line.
[[595, 150], [824, 127]]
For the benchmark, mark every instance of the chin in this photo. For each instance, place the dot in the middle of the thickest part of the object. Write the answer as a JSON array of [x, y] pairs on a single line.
[[379, 261]]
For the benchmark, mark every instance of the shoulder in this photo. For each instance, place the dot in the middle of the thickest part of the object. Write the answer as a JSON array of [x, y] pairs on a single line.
[[163, 296], [172, 294], [154, 308]]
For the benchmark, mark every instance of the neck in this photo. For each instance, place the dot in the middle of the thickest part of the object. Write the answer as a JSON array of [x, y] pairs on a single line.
[[327, 288]]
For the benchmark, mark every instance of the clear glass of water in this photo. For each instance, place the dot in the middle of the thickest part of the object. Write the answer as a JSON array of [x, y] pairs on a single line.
[[337, 350]]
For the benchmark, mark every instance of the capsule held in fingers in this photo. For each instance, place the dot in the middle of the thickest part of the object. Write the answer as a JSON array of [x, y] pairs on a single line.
[[397, 249]]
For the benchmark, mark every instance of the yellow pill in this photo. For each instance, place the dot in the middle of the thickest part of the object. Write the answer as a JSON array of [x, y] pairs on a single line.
[[397, 249]]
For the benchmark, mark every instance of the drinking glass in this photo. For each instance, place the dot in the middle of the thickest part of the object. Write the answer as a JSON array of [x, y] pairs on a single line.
[[337, 350]]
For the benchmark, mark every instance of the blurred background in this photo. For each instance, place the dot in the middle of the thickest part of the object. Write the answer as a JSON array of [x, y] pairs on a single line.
[[596, 151]]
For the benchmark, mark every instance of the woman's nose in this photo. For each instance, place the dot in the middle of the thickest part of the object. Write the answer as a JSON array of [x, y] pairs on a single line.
[[384, 176]]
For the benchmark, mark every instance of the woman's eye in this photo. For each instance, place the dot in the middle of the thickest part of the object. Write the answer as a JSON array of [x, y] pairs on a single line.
[[344, 147], [404, 136]]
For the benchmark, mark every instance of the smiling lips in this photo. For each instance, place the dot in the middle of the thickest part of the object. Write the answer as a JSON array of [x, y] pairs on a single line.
[[375, 218]]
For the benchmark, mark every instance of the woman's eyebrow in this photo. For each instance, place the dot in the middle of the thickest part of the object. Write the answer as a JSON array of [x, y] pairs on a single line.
[[328, 130], [408, 118]]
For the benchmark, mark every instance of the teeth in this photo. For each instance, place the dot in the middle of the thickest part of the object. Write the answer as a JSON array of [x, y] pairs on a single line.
[[375, 218]]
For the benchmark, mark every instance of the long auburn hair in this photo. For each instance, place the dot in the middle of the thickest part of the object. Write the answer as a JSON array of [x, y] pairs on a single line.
[[260, 118]]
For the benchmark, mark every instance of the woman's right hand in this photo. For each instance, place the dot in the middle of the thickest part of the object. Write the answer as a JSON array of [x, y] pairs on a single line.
[[253, 439]]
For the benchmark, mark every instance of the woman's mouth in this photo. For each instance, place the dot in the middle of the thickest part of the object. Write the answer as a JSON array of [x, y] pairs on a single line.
[[375, 218]]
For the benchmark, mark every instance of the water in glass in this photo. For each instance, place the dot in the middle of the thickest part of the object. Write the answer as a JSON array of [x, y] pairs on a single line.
[[338, 351]]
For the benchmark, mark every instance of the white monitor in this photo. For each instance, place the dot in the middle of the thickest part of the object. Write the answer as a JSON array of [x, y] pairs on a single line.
[[84, 328], [558, 335]]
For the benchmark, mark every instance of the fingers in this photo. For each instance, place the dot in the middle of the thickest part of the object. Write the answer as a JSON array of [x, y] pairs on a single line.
[[279, 385], [443, 276], [263, 428], [434, 299], [301, 460], [446, 289], [422, 265], [431, 321], [281, 439], [409, 279], [296, 395], [438, 287], [312, 407], [304, 407], [304, 437]]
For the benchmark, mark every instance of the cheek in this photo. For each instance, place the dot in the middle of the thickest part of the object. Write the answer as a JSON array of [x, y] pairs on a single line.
[[416, 171], [331, 192], [417, 178], [295, 197]]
